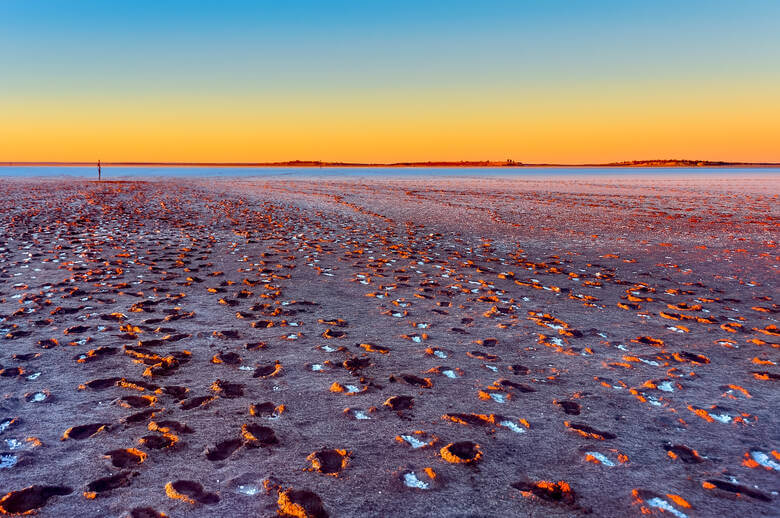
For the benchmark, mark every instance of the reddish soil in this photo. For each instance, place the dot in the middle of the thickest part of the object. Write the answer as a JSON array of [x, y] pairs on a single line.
[[390, 347]]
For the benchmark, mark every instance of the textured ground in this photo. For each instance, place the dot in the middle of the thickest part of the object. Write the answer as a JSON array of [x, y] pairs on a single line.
[[364, 347]]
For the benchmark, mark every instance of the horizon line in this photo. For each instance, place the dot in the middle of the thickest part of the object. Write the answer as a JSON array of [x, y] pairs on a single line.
[[430, 163]]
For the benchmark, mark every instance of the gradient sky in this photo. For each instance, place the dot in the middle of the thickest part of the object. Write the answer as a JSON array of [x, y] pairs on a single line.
[[546, 81]]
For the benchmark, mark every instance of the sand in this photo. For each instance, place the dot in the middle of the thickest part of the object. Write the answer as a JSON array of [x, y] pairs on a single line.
[[389, 347]]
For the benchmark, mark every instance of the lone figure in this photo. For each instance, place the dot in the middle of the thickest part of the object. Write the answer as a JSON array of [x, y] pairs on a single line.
[[99, 172]]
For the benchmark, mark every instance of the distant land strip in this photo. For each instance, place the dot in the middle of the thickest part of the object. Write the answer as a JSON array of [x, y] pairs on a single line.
[[464, 163]]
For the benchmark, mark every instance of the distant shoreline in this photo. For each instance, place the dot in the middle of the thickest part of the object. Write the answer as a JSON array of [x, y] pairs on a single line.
[[462, 164]]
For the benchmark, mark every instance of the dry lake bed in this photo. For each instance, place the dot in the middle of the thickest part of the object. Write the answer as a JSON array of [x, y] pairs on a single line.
[[449, 346]]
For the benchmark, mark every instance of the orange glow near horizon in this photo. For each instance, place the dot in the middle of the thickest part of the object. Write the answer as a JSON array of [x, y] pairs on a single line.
[[581, 129]]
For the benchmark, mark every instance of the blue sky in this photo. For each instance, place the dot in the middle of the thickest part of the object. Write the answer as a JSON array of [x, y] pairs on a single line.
[[71, 55]]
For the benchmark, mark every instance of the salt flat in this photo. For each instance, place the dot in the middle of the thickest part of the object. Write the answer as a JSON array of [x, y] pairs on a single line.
[[445, 346]]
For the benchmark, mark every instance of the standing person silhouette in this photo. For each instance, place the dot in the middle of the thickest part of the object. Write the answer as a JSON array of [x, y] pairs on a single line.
[[99, 172]]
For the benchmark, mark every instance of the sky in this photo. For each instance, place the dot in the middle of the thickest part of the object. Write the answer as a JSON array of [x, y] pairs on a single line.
[[380, 81]]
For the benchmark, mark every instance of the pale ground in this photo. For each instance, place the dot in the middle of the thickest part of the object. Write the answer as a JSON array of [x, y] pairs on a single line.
[[640, 311]]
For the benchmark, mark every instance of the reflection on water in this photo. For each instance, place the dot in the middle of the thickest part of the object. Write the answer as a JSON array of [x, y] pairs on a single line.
[[392, 172]]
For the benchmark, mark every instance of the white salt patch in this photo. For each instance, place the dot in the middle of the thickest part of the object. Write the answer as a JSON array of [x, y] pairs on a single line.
[[416, 339], [764, 459], [440, 354], [246, 368], [411, 480], [666, 386], [450, 374], [33, 376], [498, 398], [413, 442], [8, 461], [38, 397], [723, 418], [351, 389], [512, 426], [13, 444], [492, 367], [601, 458], [665, 506], [317, 367], [359, 414], [248, 490]]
